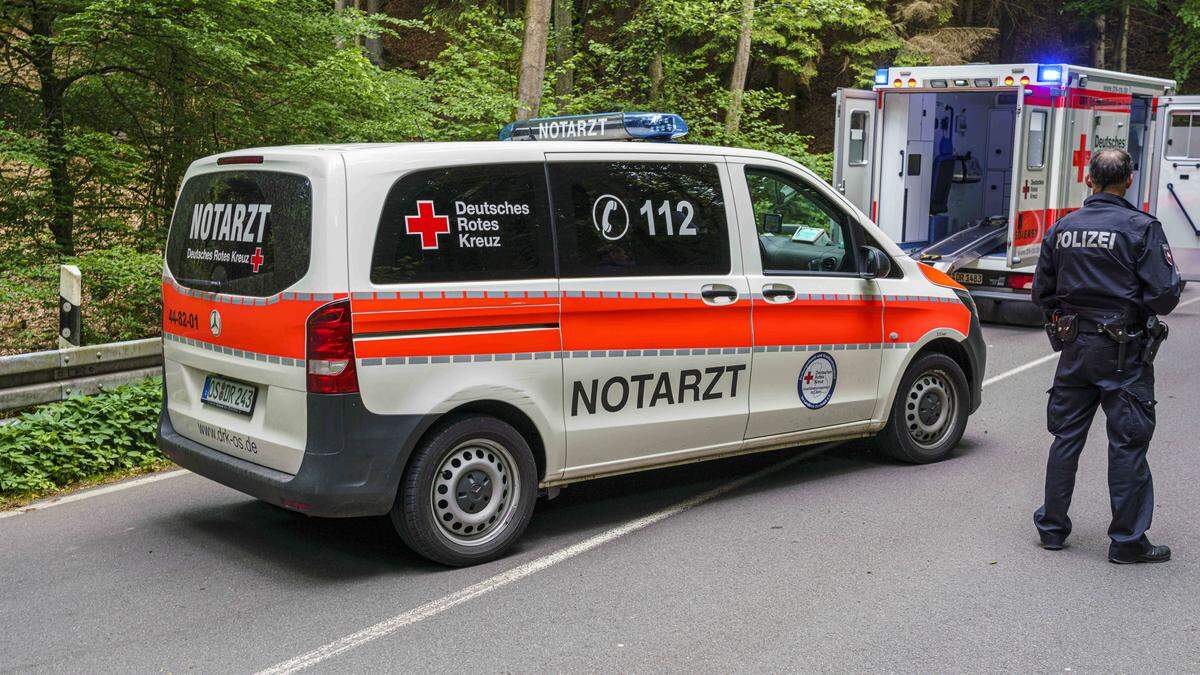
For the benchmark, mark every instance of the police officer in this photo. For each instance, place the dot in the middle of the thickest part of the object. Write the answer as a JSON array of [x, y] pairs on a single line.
[[1105, 271]]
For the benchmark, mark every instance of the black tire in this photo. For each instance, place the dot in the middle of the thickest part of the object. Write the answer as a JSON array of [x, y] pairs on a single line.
[[459, 478], [917, 430]]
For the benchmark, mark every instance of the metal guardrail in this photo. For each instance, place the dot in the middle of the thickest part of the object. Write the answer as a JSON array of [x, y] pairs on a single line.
[[45, 377]]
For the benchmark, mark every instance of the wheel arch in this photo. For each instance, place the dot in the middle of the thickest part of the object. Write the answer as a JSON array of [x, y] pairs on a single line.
[[508, 413]]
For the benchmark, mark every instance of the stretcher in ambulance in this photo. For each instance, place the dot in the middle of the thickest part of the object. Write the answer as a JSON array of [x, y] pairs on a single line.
[[966, 167], [439, 331]]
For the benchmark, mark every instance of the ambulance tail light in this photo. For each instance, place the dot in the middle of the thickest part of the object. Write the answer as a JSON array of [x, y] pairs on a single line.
[[330, 352], [1020, 282], [239, 159]]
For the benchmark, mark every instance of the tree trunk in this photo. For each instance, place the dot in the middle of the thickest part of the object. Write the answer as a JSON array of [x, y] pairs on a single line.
[[54, 132], [741, 63], [1123, 42], [564, 49], [533, 58], [374, 44], [656, 75], [1098, 41]]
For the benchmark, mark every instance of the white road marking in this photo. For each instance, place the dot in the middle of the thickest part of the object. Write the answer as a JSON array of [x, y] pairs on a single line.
[[1020, 369], [430, 609], [1188, 302], [88, 494]]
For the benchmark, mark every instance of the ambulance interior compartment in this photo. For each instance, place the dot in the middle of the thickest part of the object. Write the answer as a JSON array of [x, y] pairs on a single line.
[[956, 164]]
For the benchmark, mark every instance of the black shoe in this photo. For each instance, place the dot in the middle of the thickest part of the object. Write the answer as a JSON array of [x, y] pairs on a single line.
[[1053, 544], [1154, 554]]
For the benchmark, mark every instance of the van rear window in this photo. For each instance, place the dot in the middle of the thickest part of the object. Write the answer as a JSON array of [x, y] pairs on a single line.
[[241, 232]]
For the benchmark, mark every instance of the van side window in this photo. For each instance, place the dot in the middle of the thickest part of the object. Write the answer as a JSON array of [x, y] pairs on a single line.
[[631, 218], [1183, 137], [799, 231], [465, 223]]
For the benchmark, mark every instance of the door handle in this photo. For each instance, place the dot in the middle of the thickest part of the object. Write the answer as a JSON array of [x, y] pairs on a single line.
[[719, 294], [778, 293]]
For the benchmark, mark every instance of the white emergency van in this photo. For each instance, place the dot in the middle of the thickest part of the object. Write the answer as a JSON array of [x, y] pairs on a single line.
[[967, 166], [444, 331]]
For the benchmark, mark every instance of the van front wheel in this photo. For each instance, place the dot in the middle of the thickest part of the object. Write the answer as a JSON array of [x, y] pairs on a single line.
[[929, 414], [468, 492]]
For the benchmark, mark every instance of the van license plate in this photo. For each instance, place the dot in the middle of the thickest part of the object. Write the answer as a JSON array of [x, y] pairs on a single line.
[[234, 396], [973, 278]]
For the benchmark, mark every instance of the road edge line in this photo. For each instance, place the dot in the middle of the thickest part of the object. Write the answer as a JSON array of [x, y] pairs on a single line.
[[95, 492]]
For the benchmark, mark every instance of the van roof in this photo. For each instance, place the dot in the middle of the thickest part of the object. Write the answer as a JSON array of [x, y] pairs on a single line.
[[486, 150]]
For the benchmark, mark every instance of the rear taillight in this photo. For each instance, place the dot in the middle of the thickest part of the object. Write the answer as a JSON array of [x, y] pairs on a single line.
[[1020, 282], [331, 350]]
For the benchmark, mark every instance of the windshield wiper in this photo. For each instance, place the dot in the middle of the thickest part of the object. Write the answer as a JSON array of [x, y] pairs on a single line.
[[199, 282]]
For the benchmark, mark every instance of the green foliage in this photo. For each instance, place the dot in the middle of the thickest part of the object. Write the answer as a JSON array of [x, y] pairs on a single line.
[[121, 293], [81, 438]]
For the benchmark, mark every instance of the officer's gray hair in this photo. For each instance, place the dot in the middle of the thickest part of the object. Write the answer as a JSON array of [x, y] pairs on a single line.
[[1110, 166]]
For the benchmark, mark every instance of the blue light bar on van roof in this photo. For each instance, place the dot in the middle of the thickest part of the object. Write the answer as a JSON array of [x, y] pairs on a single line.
[[1050, 73], [881, 76], [601, 127]]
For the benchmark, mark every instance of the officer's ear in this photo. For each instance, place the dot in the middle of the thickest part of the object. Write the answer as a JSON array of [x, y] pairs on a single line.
[[1129, 182], [1088, 180]]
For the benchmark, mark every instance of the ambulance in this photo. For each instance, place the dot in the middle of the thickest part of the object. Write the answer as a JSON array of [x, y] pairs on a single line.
[[444, 332], [967, 166]]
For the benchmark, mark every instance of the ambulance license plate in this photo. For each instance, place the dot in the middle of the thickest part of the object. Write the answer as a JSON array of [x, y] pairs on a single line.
[[973, 278], [229, 395]]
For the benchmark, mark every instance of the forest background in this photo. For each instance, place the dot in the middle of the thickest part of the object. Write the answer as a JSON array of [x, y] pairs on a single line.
[[104, 103]]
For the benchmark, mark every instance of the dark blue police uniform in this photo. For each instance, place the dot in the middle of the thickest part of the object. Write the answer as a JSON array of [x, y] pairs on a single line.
[[1110, 264]]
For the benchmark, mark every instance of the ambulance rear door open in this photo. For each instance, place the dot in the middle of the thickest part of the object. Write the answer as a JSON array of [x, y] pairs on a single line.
[[1174, 188], [1033, 188], [854, 147]]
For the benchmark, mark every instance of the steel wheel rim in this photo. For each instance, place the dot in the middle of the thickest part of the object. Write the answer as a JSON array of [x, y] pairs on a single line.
[[929, 408], [475, 492]]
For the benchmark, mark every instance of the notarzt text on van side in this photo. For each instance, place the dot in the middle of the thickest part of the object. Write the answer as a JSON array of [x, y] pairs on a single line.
[[649, 390]]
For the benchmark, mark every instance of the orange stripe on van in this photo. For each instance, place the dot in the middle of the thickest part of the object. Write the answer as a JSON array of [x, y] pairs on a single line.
[[277, 328], [911, 320], [813, 322], [652, 323]]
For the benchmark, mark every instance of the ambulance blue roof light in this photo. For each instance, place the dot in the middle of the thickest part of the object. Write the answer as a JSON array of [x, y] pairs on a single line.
[[1050, 73], [600, 127], [881, 76]]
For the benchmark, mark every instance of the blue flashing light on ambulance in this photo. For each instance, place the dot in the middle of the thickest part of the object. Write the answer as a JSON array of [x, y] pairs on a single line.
[[968, 166]]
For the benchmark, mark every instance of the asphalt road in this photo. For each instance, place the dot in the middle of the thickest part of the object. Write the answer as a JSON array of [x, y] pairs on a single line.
[[840, 562]]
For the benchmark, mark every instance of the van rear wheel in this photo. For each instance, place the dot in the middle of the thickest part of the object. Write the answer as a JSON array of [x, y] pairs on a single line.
[[930, 412], [468, 492]]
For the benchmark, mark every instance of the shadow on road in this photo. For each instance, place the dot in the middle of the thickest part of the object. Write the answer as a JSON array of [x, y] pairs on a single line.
[[327, 549]]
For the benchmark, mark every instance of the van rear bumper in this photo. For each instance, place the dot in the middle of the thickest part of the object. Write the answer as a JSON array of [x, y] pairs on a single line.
[[352, 463]]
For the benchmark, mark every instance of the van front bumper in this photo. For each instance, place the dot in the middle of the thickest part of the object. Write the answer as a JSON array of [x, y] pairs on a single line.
[[352, 463]]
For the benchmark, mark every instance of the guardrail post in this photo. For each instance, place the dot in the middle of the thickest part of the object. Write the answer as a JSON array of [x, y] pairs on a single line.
[[70, 297]]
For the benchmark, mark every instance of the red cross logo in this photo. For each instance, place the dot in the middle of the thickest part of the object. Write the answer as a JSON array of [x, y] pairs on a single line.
[[808, 377], [1081, 157], [1025, 191], [427, 224], [257, 259]]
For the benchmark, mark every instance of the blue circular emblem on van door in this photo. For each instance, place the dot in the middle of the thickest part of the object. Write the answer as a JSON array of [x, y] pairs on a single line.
[[817, 380]]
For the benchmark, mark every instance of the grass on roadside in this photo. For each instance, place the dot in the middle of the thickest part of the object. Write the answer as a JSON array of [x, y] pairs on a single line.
[[84, 440]]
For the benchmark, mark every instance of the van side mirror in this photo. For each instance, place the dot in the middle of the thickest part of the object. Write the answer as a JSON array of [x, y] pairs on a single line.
[[875, 263]]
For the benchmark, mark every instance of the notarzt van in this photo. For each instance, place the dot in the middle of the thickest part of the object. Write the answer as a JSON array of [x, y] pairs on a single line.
[[444, 331], [968, 166]]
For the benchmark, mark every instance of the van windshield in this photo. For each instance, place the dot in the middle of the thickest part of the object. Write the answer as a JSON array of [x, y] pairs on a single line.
[[241, 232]]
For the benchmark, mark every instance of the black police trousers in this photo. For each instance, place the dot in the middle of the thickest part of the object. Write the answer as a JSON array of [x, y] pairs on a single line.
[[1087, 377]]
